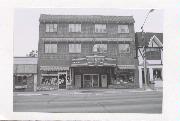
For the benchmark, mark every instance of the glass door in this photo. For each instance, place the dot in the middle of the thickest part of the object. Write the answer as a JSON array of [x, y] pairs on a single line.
[[95, 80], [87, 81], [62, 77]]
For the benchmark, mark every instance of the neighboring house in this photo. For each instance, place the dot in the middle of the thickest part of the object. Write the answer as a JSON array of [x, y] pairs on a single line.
[[86, 51], [25, 73], [154, 58]]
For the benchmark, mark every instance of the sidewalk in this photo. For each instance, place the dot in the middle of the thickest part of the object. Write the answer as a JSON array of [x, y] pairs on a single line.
[[81, 92]]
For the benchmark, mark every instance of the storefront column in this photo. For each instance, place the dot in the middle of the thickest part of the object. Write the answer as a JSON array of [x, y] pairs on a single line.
[[35, 82], [140, 77], [72, 77], [151, 73]]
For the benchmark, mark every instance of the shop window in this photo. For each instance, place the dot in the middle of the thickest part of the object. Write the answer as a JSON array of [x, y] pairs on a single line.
[[51, 27], [124, 48], [21, 80], [50, 48], [124, 79], [49, 80], [157, 74], [123, 29], [100, 28], [74, 48], [74, 27], [100, 48], [87, 77], [123, 76]]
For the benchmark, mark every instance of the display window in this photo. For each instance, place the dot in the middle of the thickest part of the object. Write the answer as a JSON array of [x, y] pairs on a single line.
[[157, 74], [21, 80], [49, 80]]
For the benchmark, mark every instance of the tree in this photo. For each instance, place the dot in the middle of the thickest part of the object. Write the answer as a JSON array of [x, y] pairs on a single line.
[[33, 53]]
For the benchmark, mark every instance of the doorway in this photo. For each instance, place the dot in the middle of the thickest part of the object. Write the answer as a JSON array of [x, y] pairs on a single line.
[[91, 80], [62, 78]]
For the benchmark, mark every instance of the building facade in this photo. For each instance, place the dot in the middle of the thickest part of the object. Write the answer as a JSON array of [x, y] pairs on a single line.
[[81, 51], [25, 74], [154, 58]]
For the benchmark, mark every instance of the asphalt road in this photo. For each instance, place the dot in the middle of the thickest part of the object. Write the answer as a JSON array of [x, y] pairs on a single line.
[[90, 102]]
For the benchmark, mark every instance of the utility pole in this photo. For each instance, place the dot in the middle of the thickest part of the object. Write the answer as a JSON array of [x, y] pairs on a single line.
[[144, 49]]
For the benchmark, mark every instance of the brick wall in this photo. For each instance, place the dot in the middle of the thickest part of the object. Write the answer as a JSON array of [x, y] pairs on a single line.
[[63, 57], [87, 30]]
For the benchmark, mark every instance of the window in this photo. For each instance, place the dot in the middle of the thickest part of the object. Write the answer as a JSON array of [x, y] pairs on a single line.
[[124, 48], [157, 74], [153, 53], [74, 27], [50, 48], [123, 29], [75, 48], [100, 48], [100, 28], [51, 27]]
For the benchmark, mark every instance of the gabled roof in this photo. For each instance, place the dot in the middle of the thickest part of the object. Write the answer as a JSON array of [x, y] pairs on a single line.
[[86, 18], [147, 37]]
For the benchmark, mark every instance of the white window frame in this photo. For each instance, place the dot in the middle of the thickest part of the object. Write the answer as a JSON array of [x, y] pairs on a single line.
[[98, 45], [50, 48], [74, 48], [123, 45], [51, 27], [121, 27], [74, 27], [100, 28]]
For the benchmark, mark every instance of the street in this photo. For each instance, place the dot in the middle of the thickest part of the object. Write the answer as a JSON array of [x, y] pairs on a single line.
[[90, 101]]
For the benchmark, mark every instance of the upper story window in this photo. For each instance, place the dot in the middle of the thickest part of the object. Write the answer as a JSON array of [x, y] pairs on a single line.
[[100, 28], [124, 48], [123, 29], [50, 48], [51, 27], [74, 27], [100, 48], [74, 48], [153, 53]]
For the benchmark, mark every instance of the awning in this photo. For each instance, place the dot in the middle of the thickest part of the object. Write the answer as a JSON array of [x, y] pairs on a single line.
[[126, 66], [53, 68]]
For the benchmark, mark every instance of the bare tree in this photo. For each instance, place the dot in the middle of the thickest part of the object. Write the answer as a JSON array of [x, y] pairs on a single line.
[[33, 53]]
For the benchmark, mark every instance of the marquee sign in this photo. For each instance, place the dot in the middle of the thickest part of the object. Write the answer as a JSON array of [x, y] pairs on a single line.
[[94, 60]]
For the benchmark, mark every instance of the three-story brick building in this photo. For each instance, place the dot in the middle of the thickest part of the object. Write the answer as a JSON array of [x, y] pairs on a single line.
[[87, 51]]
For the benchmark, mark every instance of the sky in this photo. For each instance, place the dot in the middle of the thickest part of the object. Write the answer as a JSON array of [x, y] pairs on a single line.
[[26, 23]]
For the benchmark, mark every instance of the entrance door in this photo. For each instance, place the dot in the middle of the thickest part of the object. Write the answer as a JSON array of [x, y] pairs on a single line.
[[147, 76], [104, 80], [87, 81], [62, 77], [91, 80], [95, 80]]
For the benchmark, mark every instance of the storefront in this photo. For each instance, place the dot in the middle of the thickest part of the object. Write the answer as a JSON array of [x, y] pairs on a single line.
[[101, 72], [154, 76], [25, 74], [92, 77], [53, 77]]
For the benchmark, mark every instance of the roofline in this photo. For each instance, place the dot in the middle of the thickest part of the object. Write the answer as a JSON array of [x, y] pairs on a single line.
[[151, 32], [23, 57], [42, 19], [83, 15]]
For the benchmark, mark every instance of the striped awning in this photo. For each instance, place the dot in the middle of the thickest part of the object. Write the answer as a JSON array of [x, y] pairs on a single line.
[[126, 66], [53, 68]]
